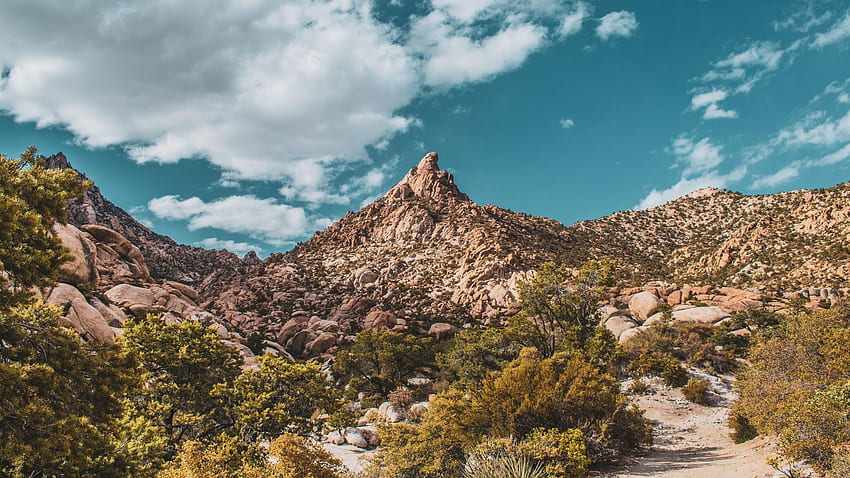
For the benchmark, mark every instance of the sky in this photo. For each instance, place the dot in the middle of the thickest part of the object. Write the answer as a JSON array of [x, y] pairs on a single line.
[[251, 124]]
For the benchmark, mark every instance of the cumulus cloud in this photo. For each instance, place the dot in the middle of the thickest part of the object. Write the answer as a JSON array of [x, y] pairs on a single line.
[[262, 219], [455, 58], [838, 32], [573, 21], [696, 156], [617, 24], [714, 112], [240, 248], [251, 86], [567, 123]]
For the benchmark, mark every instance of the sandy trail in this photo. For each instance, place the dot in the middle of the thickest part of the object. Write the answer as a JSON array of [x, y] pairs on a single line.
[[692, 441]]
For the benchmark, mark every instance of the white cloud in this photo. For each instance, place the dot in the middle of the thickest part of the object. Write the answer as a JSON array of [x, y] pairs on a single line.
[[689, 185], [262, 219], [711, 97], [815, 129], [567, 123], [617, 24], [572, 22], [750, 65], [833, 158], [709, 100], [251, 86], [782, 176], [453, 57], [839, 31], [714, 112], [698, 157], [240, 248], [464, 10]]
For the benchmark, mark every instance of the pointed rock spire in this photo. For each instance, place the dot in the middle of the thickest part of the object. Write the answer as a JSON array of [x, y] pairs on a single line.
[[427, 180]]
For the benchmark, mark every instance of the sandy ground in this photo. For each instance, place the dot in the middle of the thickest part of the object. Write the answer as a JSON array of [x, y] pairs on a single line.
[[349, 455], [692, 441]]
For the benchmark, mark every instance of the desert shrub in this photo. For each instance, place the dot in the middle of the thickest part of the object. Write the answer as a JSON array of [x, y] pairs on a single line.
[[639, 387], [501, 459], [402, 397], [798, 386], [474, 353], [696, 391], [626, 429], [564, 453], [379, 361], [664, 366], [742, 430]]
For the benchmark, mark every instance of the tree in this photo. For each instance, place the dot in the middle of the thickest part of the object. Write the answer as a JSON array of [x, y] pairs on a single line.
[[565, 315], [32, 198], [183, 364], [279, 397], [59, 398], [474, 353], [379, 361]]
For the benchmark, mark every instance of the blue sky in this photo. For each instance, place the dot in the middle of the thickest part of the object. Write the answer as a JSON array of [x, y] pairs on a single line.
[[252, 124]]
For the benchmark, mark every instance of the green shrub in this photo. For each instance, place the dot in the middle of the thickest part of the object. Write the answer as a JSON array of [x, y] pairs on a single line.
[[741, 429], [696, 391], [639, 387], [564, 453]]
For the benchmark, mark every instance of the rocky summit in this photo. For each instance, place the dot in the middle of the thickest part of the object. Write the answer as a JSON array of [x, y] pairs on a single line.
[[426, 259]]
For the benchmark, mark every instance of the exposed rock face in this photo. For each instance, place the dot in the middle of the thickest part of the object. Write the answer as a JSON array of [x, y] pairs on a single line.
[[166, 259]]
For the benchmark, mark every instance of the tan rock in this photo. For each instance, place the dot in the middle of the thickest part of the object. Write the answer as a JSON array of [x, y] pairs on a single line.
[[82, 269], [705, 315], [618, 324], [320, 344], [642, 305], [63, 294], [379, 320], [442, 330], [88, 322]]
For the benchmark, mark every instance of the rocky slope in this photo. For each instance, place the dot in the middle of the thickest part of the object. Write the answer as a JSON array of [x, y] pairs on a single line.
[[166, 259], [424, 254], [425, 258]]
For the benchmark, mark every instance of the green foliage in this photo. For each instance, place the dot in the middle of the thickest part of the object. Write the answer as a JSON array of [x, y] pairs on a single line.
[[474, 353], [32, 198], [742, 430], [563, 453], [562, 393], [288, 456], [279, 397], [503, 465], [563, 313], [379, 361], [183, 364], [664, 366], [659, 350], [696, 391], [59, 398], [799, 386]]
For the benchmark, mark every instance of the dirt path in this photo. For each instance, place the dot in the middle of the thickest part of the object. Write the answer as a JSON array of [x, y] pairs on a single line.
[[692, 441]]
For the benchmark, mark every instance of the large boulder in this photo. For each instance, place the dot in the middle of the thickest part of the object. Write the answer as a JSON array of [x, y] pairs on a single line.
[[128, 253], [320, 344], [642, 305], [363, 277], [379, 320], [63, 294], [442, 330], [138, 300], [82, 268], [618, 324], [88, 322], [705, 315], [354, 436]]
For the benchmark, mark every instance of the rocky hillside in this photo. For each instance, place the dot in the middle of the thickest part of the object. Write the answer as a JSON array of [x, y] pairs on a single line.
[[167, 259], [425, 254]]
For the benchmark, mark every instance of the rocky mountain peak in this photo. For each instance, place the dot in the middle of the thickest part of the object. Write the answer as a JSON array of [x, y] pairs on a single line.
[[427, 180]]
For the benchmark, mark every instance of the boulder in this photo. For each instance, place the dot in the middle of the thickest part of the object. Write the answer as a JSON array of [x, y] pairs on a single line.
[[290, 328], [112, 314], [325, 326], [128, 252], [379, 320], [127, 295], [363, 277], [391, 413], [353, 436], [618, 324], [352, 308], [642, 305], [320, 344], [336, 438], [501, 296], [63, 294], [705, 315], [184, 290], [370, 433], [82, 269], [629, 333], [442, 330], [88, 322], [299, 341]]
